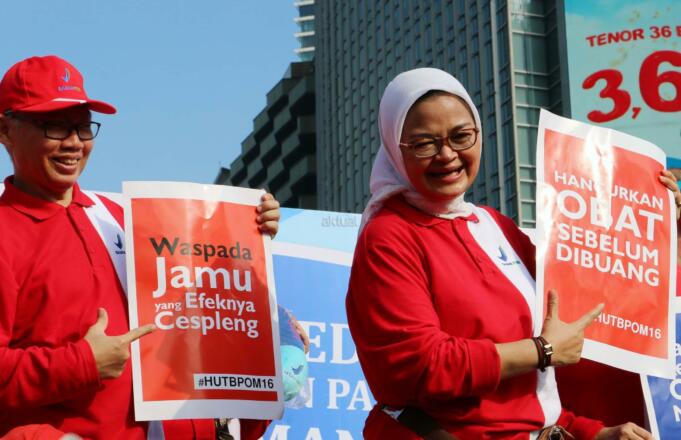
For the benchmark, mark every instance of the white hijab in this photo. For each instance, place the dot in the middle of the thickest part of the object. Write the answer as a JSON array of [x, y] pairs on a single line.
[[388, 175]]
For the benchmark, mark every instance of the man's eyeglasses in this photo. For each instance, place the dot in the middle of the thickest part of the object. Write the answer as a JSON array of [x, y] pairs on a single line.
[[431, 146], [59, 131]]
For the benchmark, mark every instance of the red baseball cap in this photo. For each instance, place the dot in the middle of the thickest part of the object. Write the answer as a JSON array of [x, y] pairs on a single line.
[[44, 84]]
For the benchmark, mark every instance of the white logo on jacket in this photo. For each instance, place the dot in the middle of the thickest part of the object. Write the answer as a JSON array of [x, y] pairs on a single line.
[[492, 240]]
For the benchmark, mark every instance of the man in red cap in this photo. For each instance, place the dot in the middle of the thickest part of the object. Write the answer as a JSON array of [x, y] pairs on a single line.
[[64, 336]]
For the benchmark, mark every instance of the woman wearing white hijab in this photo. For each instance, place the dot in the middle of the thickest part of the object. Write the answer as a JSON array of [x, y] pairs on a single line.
[[441, 295]]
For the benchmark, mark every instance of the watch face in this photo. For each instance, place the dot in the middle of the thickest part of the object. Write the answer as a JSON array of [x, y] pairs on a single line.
[[548, 349]]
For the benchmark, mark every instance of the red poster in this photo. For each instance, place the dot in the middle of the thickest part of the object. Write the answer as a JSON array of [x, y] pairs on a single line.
[[201, 272], [605, 234]]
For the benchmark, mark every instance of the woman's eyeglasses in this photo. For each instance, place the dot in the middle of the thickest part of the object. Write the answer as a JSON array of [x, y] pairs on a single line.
[[431, 146]]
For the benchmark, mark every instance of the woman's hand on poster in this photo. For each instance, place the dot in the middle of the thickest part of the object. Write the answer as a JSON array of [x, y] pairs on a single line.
[[268, 215], [669, 180], [628, 431], [567, 338], [112, 352]]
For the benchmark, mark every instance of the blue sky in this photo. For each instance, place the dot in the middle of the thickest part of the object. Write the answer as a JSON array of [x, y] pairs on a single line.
[[187, 77]]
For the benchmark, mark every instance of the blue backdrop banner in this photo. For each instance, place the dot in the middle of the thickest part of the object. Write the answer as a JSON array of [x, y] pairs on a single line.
[[663, 399], [312, 258]]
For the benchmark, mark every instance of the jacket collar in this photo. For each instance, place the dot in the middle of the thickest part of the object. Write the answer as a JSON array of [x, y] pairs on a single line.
[[399, 205]]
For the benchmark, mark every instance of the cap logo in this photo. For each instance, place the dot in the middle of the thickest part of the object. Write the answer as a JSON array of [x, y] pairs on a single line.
[[66, 78]]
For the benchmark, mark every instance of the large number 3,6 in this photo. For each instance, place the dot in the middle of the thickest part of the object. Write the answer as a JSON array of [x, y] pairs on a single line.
[[649, 83]]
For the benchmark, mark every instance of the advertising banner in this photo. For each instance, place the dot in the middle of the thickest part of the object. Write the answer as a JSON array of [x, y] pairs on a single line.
[[199, 269], [624, 61], [312, 255], [607, 234]]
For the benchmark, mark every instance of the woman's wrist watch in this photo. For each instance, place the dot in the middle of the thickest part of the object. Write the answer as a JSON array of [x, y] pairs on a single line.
[[544, 352]]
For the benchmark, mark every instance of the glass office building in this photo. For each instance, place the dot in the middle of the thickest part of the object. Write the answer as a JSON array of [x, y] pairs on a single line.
[[306, 33], [279, 154], [510, 55]]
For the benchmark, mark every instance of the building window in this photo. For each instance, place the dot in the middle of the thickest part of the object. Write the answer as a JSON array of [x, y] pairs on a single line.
[[529, 53], [475, 74], [449, 14], [428, 37], [307, 41], [527, 190], [507, 129], [527, 115], [501, 17], [529, 214], [528, 24], [306, 26], [306, 10], [493, 155], [526, 150]]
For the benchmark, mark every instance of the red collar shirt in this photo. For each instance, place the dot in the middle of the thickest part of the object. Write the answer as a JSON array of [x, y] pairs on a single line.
[[428, 298], [54, 273]]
